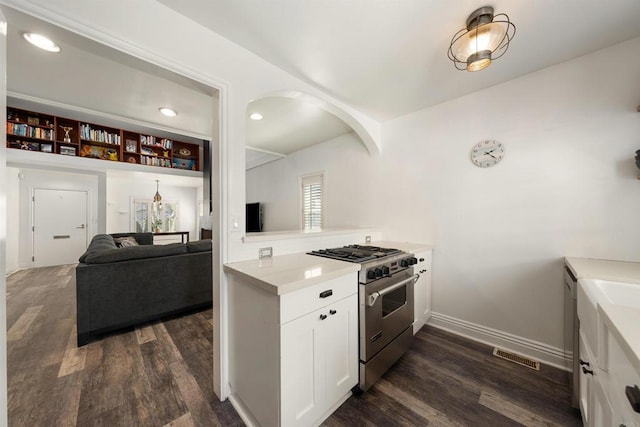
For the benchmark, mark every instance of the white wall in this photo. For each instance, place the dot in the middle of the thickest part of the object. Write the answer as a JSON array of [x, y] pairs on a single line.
[[122, 191], [277, 186], [567, 187], [13, 220], [36, 178]]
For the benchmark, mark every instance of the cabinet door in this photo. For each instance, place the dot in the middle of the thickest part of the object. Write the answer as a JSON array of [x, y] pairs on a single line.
[[303, 370], [585, 382], [422, 291], [340, 339], [602, 413]]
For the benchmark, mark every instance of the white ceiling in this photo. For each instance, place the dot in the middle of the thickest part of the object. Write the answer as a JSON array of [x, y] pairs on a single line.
[[290, 124], [388, 57], [384, 57], [89, 76]]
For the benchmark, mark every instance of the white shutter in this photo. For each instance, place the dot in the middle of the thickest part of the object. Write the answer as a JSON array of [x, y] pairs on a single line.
[[312, 202]]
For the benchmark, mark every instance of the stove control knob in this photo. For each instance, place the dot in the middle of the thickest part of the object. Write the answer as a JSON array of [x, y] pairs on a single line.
[[371, 275], [385, 271], [413, 261], [378, 272], [404, 263]]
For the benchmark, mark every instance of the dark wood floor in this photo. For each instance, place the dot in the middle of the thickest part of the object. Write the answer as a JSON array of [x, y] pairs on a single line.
[[161, 374]]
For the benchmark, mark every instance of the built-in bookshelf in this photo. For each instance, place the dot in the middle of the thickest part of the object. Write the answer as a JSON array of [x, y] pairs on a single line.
[[33, 131]]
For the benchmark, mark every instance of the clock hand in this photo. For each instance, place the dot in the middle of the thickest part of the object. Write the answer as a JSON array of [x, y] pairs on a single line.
[[489, 153]]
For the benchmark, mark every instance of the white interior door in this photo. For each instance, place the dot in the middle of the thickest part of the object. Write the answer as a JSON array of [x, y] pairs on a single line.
[[59, 226]]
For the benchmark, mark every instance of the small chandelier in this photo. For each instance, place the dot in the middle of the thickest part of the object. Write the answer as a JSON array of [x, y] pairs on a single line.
[[158, 198], [486, 37]]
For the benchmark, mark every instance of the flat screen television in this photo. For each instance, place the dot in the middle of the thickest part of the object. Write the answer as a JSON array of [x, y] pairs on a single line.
[[254, 217]]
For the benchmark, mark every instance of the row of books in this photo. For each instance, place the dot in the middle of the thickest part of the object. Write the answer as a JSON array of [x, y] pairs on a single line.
[[155, 161], [87, 132], [156, 142], [29, 131]]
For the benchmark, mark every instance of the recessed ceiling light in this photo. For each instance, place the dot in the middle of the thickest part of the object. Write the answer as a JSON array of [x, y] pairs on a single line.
[[168, 111], [42, 42], [255, 116]]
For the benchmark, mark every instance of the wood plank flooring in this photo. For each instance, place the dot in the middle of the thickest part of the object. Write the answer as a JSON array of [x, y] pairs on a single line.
[[160, 374], [155, 375]]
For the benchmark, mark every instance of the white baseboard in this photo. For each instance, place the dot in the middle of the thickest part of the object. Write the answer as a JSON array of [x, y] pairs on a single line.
[[544, 353], [242, 411]]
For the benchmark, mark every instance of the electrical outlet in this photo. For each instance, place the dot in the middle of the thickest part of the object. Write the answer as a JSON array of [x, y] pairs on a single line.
[[367, 239], [265, 252]]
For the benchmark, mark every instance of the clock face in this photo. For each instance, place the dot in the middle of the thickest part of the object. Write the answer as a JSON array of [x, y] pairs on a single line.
[[487, 153]]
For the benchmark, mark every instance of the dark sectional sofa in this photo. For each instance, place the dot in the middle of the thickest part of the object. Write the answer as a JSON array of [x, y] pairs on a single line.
[[119, 287]]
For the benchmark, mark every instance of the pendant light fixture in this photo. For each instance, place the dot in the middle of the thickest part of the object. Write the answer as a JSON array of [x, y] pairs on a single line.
[[157, 199], [485, 38]]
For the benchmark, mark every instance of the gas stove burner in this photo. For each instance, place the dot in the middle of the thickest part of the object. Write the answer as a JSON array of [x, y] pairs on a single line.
[[376, 251], [356, 253], [344, 254]]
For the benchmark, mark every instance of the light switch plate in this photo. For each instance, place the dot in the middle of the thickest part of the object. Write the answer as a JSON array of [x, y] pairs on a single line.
[[367, 239]]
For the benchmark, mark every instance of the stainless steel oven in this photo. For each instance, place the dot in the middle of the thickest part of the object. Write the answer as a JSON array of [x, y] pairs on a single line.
[[385, 313], [386, 318], [386, 310]]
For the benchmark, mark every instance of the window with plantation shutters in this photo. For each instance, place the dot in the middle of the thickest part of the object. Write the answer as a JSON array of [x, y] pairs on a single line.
[[312, 197]]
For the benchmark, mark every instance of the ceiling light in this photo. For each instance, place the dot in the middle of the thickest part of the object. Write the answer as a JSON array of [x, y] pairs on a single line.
[[168, 111], [486, 37], [41, 41], [255, 116], [157, 199]]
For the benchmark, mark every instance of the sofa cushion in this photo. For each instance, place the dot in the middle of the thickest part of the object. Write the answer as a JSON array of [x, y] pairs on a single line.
[[141, 238], [125, 242], [135, 252], [199, 246], [99, 243]]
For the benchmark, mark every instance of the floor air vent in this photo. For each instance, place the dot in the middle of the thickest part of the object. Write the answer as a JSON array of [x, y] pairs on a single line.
[[515, 358]]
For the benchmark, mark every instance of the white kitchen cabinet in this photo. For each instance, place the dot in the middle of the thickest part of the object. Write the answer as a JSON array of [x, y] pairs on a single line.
[[422, 290], [292, 357], [319, 361], [595, 406], [621, 373]]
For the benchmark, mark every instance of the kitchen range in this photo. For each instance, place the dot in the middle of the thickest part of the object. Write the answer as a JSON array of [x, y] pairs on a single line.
[[309, 329], [386, 306]]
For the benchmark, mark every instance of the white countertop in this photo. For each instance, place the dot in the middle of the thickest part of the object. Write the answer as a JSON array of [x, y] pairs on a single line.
[[615, 271], [621, 320], [286, 273]]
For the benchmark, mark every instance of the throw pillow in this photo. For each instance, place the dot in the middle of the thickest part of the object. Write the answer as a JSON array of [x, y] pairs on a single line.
[[125, 242]]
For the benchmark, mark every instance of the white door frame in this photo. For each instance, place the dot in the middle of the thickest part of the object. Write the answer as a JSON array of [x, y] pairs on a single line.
[[33, 216], [3, 224], [220, 170]]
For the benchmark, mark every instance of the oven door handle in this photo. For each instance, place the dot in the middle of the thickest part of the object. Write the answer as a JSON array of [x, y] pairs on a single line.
[[373, 297]]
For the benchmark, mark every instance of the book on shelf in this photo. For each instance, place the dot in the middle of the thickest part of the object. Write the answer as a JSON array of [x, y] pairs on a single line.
[[98, 135], [20, 129], [156, 142]]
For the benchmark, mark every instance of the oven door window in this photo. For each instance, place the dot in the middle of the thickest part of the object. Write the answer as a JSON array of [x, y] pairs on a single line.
[[393, 301]]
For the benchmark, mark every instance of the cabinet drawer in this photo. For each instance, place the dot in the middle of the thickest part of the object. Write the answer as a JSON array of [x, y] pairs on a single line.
[[303, 301]]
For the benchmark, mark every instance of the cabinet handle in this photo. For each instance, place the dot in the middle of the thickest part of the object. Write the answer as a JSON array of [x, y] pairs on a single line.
[[582, 362], [332, 312], [633, 394], [323, 316], [326, 293], [586, 371]]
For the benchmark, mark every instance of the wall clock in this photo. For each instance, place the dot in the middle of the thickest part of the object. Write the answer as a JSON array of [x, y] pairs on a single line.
[[487, 153]]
